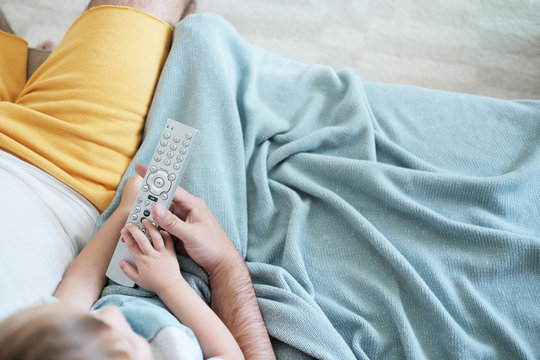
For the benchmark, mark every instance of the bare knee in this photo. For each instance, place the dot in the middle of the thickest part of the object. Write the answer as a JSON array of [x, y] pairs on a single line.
[[170, 11]]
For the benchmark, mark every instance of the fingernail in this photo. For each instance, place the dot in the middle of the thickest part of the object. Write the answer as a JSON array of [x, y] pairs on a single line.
[[160, 210]]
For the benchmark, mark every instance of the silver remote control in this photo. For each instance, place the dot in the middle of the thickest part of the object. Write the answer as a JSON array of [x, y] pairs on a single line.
[[159, 185]]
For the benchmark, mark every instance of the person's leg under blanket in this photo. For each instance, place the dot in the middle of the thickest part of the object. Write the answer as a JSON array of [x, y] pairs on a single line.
[[377, 221], [80, 116]]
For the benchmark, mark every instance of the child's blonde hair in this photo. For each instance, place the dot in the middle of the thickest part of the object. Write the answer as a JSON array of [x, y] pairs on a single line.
[[53, 331]]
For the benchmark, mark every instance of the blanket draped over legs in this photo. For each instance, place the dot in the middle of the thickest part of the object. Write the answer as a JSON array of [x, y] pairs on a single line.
[[377, 221]]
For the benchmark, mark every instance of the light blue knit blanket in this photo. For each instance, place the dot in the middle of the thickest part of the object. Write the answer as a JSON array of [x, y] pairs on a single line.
[[377, 221]]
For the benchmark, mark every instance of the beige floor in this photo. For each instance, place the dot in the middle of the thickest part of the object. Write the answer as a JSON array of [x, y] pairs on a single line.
[[487, 47]]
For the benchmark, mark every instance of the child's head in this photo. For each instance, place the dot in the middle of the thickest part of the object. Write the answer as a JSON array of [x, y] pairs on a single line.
[[56, 331]]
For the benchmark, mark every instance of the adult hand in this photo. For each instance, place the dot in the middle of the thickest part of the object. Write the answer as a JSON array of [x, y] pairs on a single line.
[[204, 241]]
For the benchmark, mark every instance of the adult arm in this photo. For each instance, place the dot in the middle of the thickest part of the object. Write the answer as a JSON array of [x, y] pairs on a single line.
[[233, 297], [156, 259], [234, 301]]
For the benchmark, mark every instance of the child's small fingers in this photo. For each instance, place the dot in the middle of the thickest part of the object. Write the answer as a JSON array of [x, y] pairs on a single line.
[[157, 241], [141, 240], [167, 240], [130, 242], [130, 270]]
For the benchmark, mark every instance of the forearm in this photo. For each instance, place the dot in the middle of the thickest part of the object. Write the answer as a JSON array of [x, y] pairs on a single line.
[[85, 278], [213, 336], [235, 302]]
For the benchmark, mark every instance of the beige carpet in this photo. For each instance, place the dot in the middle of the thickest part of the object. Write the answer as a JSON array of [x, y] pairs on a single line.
[[487, 47]]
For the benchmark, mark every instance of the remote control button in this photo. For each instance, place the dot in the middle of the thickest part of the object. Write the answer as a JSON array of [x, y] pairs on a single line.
[[185, 143], [176, 139], [163, 142], [139, 200], [174, 147], [179, 158], [137, 208], [146, 213], [167, 135], [134, 216], [170, 154], [172, 177], [189, 135], [164, 196], [145, 188], [147, 203], [176, 166], [153, 168], [159, 182], [157, 158], [167, 162], [183, 151], [160, 150]]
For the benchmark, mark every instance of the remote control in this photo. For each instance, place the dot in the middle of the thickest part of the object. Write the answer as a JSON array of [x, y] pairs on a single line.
[[159, 185]]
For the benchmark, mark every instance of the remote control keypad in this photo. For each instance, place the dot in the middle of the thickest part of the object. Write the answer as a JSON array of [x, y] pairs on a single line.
[[158, 183]]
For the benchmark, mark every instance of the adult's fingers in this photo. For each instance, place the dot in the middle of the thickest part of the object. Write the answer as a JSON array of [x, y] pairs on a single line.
[[169, 222], [183, 202]]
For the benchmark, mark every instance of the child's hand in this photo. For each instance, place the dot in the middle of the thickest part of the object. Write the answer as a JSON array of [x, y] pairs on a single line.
[[157, 266], [131, 188]]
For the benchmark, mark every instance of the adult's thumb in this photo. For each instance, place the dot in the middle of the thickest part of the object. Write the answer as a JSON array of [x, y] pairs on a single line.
[[167, 220]]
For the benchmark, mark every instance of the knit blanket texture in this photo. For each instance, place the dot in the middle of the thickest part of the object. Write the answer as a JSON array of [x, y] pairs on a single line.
[[376, 220]]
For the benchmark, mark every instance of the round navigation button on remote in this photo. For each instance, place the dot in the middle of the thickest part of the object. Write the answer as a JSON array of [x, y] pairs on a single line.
[[159, 182], [189, 135], [167, 135], [153, 168]]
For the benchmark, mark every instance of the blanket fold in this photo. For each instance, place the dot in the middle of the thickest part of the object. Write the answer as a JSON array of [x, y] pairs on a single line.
[[377, 221]]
